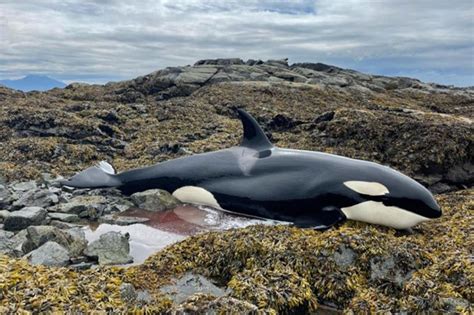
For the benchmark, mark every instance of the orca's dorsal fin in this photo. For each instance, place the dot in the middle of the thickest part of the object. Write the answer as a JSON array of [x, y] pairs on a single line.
[[253, 137]]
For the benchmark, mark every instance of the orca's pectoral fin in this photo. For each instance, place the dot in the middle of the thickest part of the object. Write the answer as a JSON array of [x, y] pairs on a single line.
[[322, 219]]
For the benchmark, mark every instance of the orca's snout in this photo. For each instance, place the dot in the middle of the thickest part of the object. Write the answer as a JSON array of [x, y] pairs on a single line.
[[434, 210]]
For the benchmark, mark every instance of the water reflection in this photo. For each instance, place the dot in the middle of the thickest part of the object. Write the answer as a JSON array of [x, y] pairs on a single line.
[[168, 227]]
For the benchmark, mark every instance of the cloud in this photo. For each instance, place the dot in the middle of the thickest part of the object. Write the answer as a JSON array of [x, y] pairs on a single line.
[[97, 41]]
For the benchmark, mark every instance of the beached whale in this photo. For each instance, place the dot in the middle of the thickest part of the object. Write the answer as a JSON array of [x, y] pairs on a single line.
[[309, 189]]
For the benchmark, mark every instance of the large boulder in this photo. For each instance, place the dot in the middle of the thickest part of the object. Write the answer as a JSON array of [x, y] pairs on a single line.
[[112, 248], [74, 241], [25, 217], [154, 200], [49, 254]]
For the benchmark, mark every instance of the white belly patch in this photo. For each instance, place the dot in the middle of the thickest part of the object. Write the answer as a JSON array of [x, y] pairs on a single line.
[[377, 213], [196, 195]]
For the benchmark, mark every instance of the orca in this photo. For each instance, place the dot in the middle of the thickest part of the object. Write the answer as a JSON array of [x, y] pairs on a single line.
[[306, 188]]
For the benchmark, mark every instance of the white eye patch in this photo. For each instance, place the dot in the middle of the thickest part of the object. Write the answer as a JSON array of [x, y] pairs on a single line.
[[367, 188], [196, 195]]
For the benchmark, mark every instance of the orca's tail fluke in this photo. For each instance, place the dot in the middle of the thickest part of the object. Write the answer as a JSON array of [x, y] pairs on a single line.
[[99, 176]]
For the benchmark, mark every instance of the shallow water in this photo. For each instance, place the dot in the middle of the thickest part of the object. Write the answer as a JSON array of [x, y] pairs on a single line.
[[171, 226]]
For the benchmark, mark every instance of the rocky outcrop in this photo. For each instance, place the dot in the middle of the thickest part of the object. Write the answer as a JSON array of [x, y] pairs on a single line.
[[23, 218], [49, 254], [154, 200], [111, 248], [424, 130]]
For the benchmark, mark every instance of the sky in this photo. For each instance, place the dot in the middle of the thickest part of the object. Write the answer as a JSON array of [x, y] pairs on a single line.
[[97, 41]]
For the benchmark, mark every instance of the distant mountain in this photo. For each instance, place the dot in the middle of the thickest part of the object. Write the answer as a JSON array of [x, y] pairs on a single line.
[[33, 83]]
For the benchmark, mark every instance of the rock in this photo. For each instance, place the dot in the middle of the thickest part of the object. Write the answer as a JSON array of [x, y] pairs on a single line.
[[189, 284], [65, 217], [132, 296], [83, 206], [344, 257], [121, 220], [127, 292], [195, 75], [202, 304], [461, 174], [24, 186], [7, 247], [4, 214], [25, 217], [118, 204], [327, 116], [81, 266], [386, 270], [63, 225], [6, 234], [18, 239], [282, 122], [220, 62], [5, 196], [73, 241], [154, 200], [112, 248], [79, 242], [42, 198], [277, 62], [49, 254]]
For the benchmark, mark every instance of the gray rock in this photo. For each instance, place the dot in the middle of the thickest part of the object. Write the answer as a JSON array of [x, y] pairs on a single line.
[[73, 241], [385, 269], [7, 247], [33, 198], [64, 225], [24, 186], [221, 305], [277, 62], [344, 256], [4, 214], [121, 220], [6, 197], [189, 284], [154, 200], [65, 217], [6, 234], [127, 292], [18, 239], [81, 266], [83, 206], [50, 181], [137, 297], [118, 204], [220, 62], [195, 75], [112, 248], [25, 217], [49, 254], [79, 242]]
